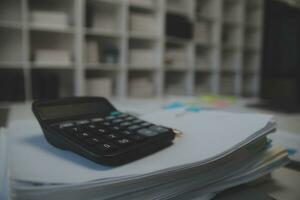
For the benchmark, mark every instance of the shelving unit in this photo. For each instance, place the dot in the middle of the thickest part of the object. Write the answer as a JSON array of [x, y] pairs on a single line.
[[121, 45]]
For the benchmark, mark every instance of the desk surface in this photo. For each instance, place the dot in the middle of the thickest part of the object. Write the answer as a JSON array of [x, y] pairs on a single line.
[[285, 182]]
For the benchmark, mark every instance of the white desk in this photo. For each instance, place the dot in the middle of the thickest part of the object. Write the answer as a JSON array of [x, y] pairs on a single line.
[[285, 182]]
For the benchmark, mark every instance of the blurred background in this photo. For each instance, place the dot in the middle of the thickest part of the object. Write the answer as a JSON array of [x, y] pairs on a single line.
[[151, 48]]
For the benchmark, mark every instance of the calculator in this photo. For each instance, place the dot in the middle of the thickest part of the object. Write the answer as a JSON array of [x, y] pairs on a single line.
[[93, 128]]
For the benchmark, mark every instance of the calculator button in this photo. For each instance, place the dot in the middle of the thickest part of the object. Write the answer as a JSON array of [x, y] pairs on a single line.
[[115, 113], [129, 118], [127, 132], [100, 131], [110, 117], [82, 135], [91, 126], [66, 125], [137, 121], [159, 129], [82, 122], [97, 119], [112, 136], [116, 121], [134, 127], [115, 128], [73, 130], [145, 124], [137, 138], [123, 115], [106, 147], [123, 142], [92, 141], [147, 132], [125, 124], [106, 124]]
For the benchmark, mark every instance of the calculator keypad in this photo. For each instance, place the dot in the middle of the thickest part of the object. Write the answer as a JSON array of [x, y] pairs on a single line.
[[111, 133]]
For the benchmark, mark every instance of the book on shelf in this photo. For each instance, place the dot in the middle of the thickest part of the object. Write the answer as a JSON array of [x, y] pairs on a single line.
[[176, 58], [141, 87], [142, 23], [52, 57], [143, 4], [202, 32], [92, 53], [142, 57], [49, 18], [100, 87]]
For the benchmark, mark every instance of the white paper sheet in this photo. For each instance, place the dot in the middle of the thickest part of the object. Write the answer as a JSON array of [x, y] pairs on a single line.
[[206, 135]]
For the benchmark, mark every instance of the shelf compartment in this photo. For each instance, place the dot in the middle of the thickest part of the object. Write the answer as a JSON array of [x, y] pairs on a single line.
[[176, 83], [176, 57], [203, 32], [143, 53], [203, 59], [253, 16], [51, 49], [203, 83], [56, 14], [206, 10], [103, 16], [141, 84], [230, 61], [144, 23], [51, 83], [104, 50], [101, 83], [231, 37], [10, 12], [227, 84], [252, 39], [248, 85], [11, 49], [232, 11], [12, 85], [251, 63]]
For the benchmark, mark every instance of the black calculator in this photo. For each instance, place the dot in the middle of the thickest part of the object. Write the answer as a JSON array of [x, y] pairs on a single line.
[[96, 130]]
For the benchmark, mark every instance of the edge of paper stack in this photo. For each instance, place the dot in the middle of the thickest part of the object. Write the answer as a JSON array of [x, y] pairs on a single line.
[[217, 150]]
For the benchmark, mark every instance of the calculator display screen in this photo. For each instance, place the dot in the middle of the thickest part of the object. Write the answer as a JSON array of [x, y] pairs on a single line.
[[73, 110]]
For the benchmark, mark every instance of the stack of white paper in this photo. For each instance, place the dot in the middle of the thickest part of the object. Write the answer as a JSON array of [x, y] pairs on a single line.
[[217, 150]]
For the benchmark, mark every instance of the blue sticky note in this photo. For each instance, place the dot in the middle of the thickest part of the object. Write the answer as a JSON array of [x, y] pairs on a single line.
[[291, 151], [194, 109], [174, 105]]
